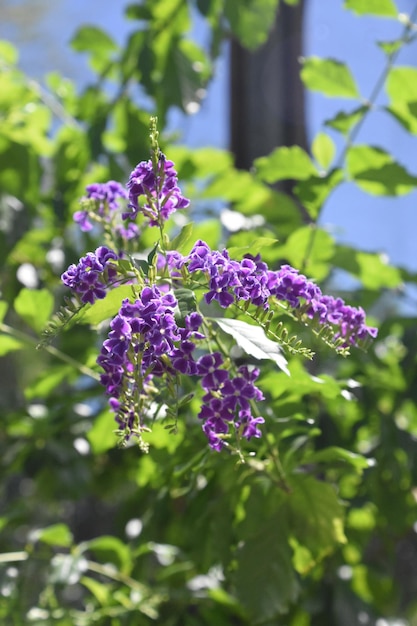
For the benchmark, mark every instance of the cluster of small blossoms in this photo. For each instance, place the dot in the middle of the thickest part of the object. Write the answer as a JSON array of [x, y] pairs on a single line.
[[250, 280], [159, 186], [93, 273], [145, 343], [103, 201], [227, 400]]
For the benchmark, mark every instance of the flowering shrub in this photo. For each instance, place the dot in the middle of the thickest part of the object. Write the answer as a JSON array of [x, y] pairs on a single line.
[[155, 341]]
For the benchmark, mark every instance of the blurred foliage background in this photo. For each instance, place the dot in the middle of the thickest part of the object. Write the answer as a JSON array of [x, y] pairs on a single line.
[[318, 528]]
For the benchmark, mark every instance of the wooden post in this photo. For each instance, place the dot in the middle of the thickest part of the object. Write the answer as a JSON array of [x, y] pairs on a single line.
[[267, 96]]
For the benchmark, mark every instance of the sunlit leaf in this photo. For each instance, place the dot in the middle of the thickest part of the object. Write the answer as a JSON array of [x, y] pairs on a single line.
[[314, 191], [251, 20], [101, 435], [34, 307], [380, 8], [323, 149], [285, 163], [55, 535], [376, 172], [330, 77], [253, 341], [344, 122], [9, 344], [104, 309]]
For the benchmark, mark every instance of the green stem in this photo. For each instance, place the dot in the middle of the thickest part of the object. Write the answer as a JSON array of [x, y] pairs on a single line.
[[27, 339]]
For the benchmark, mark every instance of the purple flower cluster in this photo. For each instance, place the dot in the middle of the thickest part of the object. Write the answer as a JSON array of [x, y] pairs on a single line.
[[89, 278], [250, 280], [106, 200], [141, 334], [227, 400], [159, 186], [145, 342]]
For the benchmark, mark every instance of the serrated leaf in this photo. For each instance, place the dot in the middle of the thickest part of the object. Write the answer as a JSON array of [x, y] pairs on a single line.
[[330, 77], [316, 519], [108, 307], [376, 172], [380, 8], [265, 579], [285, 163], [323, 149], [55, 535], [34, 307], [253, 341]]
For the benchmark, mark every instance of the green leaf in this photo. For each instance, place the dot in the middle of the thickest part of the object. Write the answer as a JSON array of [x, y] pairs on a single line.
[[108, 307], [315, 517], [311, 248], [251, 20], [402, 92], [373, 270], [95, 41], [285, 163], [9, 344], [314, 191], [255, 247], [323, 149], [55, 535], [8, 53], [335, 455], [34, 307], [265, 580], [187, 302], [253, 341], [380, 8], [111, 549], [330, 77], [376, 273], [376, 172], [181, 239], [343, 122], [390, 47], [101, 435], [100, 591]]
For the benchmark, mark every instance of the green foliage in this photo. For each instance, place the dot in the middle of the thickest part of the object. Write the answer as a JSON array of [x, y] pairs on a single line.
[[317, 524], [381, 8], [330, 77]]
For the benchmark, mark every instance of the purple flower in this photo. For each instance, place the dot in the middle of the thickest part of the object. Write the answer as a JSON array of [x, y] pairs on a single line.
[[88, 279], [159, 188]]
